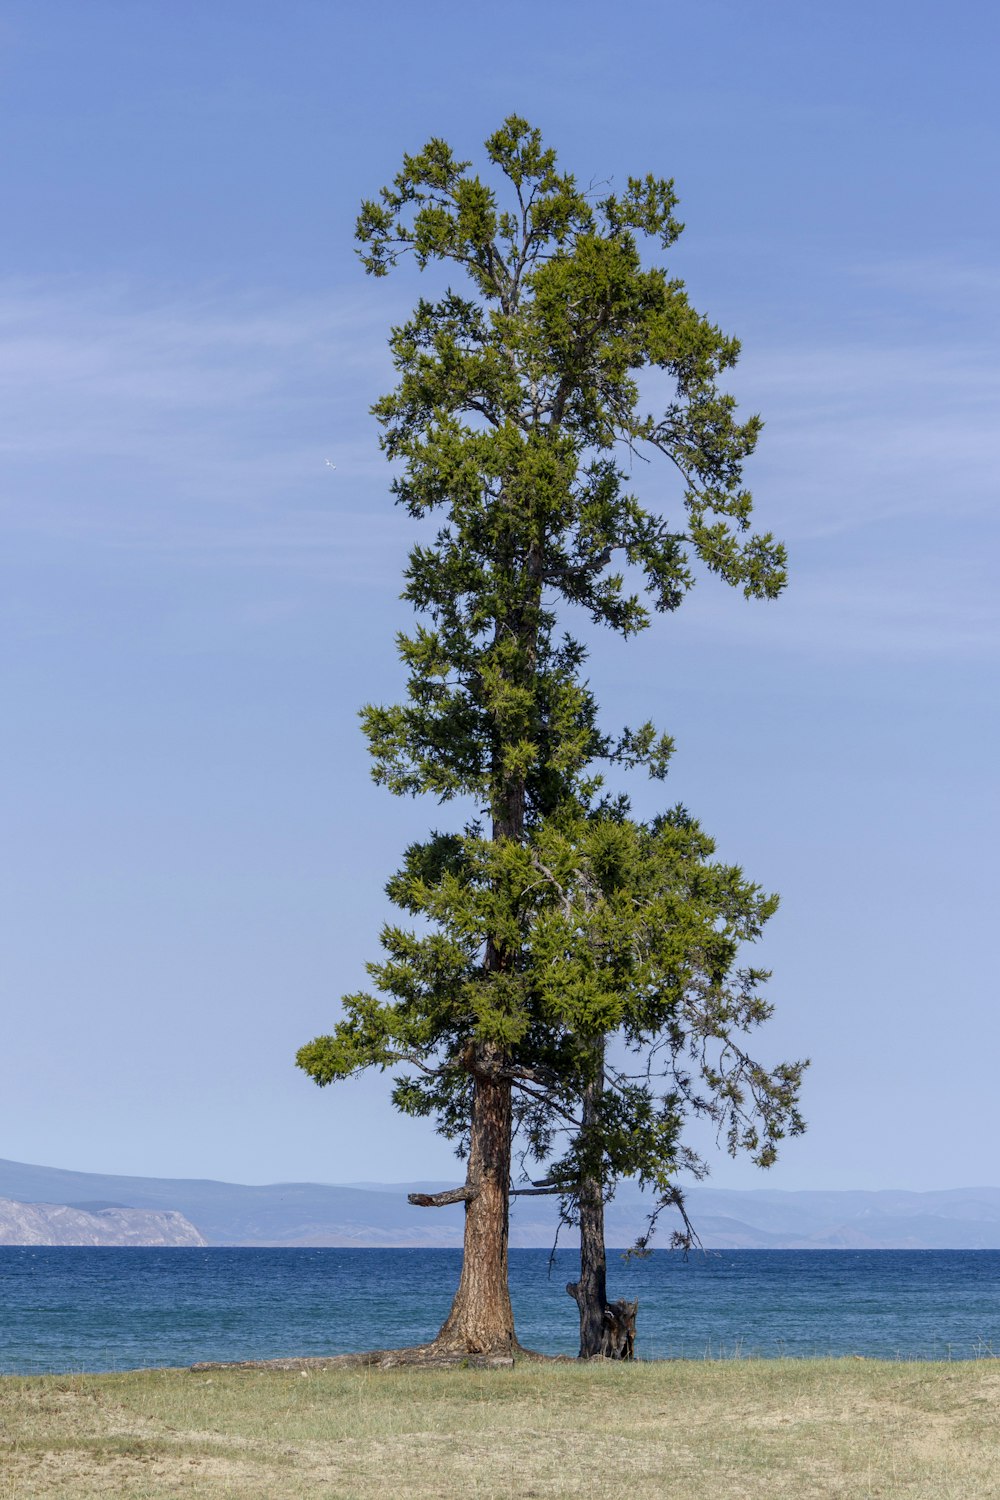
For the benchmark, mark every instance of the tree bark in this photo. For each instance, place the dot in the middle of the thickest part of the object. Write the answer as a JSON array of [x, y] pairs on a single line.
[[591, 1291], [481, 1320]]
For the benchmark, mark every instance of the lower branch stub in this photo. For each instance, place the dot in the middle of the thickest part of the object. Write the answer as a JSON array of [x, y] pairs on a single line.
[[439, 1200]]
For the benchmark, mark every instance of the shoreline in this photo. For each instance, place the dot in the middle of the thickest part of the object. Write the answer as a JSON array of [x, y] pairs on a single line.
[[410, 1361]]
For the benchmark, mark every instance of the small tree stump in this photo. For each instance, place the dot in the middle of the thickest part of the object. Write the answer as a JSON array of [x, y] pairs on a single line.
[[618, 1339]]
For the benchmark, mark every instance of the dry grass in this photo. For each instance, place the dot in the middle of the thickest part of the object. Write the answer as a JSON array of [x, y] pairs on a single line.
[[736, 1430]]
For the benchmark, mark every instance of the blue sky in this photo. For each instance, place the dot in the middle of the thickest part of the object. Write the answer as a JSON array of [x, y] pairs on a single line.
[[193, 604]]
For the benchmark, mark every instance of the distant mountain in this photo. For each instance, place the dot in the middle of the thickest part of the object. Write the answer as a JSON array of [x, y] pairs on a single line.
[[377, 1214], [295, 1213], [65, 1224], [949, 1219]]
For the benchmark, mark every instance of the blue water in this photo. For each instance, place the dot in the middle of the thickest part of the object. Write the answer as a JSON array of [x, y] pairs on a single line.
[[117, 1309]]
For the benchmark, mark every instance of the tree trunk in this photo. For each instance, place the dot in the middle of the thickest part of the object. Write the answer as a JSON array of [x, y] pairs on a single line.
[[591, 1291], [606, 1329], [481, 1320]]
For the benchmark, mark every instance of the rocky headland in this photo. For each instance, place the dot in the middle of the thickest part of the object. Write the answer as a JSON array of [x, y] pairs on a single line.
[[93, 1224]]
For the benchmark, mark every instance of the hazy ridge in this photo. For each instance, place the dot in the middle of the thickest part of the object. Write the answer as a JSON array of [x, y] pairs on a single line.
[[306, 1213]]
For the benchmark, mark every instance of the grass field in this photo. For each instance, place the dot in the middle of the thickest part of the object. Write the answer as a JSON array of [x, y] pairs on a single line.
[[691, 1429]]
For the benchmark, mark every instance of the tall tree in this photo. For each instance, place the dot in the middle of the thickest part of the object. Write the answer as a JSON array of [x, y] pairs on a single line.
[[515, 416]]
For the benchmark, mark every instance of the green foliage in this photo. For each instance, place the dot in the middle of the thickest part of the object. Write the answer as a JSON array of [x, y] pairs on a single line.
[[510, 412], [515, 419], [617, 928]]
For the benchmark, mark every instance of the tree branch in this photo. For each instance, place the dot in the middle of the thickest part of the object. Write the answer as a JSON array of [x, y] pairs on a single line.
[[439, 1200], [547, 1100]]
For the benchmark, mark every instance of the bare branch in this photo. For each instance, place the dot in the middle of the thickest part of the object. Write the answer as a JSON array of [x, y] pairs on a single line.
[[548, 1101], [440, 1200]]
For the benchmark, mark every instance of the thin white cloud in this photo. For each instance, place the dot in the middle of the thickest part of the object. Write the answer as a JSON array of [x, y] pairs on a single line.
[[909, 605], [200, 428], [860, 434], [91, 372], [954, 281], [200, 425]]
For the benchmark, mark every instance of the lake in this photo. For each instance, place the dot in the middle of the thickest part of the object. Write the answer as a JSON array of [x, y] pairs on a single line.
[[71, 1309]]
